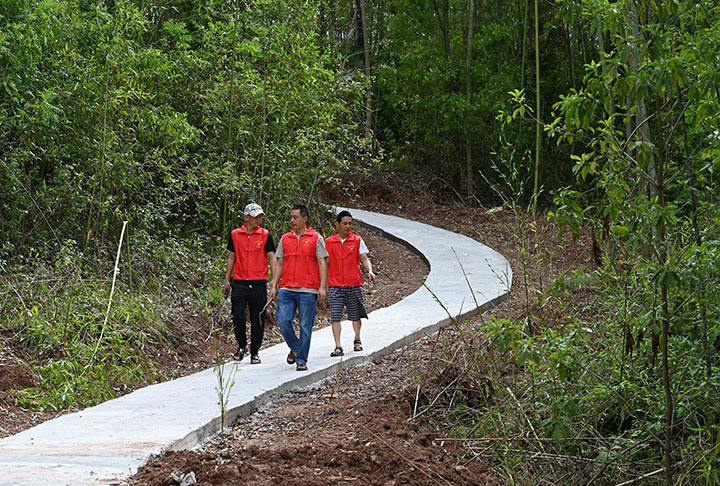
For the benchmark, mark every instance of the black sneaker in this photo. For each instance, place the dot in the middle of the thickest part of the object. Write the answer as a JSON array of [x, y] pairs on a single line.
[[239, 354]]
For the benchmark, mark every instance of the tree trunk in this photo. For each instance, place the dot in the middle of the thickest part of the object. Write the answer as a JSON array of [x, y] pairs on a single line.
[[524, 46], [601, 45], [641, 125], [444, 21], [366, 48], [707, 350], [357, 18], [468, 96], [571, 56], [663, 258], [537, 110]]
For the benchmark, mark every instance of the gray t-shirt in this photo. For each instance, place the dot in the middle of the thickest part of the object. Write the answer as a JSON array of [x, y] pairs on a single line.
[[320, 252]]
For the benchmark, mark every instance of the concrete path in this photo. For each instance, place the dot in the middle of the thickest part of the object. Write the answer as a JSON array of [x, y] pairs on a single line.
[[105, 444]]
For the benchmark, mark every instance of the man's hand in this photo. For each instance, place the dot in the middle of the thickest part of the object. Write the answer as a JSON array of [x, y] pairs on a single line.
[[322, 295], [368, 266], [273, 292], [226, 288]]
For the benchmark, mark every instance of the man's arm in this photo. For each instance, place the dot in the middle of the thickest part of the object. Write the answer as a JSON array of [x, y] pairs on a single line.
[[322, 291], [273, 270], [229, 271], [368, 266], [277, 273]]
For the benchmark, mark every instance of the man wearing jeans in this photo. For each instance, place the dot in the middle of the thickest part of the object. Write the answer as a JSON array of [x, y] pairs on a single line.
[[302, 274]]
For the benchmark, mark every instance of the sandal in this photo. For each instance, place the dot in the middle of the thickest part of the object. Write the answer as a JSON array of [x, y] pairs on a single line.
[[337, 352], [239, 354], [255, 359], [357, 345], [291, 357], [301, 367]]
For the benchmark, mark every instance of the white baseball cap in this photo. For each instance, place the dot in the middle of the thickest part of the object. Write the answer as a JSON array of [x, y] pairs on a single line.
[[253, 210]]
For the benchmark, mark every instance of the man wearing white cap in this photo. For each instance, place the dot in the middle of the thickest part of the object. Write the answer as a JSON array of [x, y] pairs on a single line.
[[251, 250]]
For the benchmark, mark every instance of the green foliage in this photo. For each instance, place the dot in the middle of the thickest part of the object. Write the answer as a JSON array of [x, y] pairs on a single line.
[[60, 323], [583, 362], [638, 169], [171, 116], [423, 112], [166, 117]]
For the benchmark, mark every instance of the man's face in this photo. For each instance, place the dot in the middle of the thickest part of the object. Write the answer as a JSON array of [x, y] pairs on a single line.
[[297, 221], [344, 226], [253, 222]]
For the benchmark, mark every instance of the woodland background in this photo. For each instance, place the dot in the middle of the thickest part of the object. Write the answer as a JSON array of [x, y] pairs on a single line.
[[599, 116]]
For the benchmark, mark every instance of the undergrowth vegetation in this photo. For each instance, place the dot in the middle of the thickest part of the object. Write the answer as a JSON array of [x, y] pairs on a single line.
[[570, 389], [166, 118], [85, 347], [567, 386]]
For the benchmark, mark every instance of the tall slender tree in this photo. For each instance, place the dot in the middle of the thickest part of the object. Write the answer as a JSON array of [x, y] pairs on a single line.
[[538, 127], [366, 51], [468, 97]]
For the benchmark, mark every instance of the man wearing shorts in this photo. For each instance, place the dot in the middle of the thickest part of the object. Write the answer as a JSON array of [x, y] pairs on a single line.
[[302, 275], [251, 250], [346, 252]]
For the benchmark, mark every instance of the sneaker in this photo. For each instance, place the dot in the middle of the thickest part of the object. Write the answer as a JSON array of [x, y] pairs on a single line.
[[239, 354], [254, 359]]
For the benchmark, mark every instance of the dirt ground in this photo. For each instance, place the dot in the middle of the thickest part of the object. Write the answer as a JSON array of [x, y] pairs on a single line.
[[355, 429]]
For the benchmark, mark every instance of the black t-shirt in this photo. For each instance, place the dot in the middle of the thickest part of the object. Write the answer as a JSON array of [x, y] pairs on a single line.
[[269, 244]]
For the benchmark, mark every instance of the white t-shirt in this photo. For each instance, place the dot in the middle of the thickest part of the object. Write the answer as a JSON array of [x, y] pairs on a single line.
[[363, 246]]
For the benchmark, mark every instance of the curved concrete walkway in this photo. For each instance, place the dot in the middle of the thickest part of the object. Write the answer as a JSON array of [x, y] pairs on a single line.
[[105, 444]]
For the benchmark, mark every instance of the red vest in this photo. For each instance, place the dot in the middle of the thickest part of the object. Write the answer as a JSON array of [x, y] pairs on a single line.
[[344, 270], [300, 265], [250, 256]]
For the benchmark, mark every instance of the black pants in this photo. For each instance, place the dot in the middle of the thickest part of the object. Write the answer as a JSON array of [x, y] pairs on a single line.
[[253, 294]]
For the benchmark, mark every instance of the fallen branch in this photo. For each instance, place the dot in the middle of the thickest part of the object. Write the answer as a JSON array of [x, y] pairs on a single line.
[[527, 439], [644, 476], [112, 289]]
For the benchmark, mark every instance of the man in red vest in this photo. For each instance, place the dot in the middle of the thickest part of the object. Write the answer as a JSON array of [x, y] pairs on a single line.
[[302, 277], [346, 251], [251, 250]]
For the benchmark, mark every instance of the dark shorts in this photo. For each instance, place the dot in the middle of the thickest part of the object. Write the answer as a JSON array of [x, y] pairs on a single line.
[[351, 298]]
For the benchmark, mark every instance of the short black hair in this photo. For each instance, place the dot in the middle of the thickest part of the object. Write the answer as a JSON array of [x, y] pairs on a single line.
[[303, 210], [342, 214]]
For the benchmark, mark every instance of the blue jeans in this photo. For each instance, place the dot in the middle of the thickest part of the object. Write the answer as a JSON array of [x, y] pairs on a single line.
[[306, 304]]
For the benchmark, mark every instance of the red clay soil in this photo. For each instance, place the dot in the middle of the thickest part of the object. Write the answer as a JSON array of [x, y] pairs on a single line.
[[361, 428], [356, 429]]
